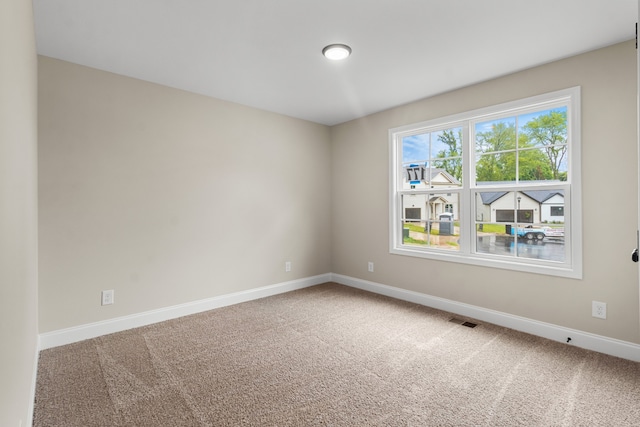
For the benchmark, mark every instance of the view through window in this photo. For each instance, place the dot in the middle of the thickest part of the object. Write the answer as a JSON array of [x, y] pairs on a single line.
[[497, 186]]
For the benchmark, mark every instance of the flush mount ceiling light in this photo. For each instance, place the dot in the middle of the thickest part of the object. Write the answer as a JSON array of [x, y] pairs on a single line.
[[336, 52]]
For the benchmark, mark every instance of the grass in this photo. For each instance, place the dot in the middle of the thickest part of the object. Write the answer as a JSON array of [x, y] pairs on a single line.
[[420, 228], [409, 240], [414, 227], [493, 228]]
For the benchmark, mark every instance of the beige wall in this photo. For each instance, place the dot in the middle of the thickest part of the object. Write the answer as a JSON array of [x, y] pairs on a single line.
[[18, 211], [360, 217], [169, 197]]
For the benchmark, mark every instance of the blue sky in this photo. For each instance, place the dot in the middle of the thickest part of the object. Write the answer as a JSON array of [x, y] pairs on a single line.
[[523, 119], [415, 148]]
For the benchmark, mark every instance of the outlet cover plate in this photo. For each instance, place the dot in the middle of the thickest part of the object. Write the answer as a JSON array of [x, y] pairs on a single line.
[[599, 309], [107, 297]]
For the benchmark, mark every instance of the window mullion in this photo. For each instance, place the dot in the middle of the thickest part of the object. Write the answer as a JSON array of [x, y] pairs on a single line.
[[467, 230]]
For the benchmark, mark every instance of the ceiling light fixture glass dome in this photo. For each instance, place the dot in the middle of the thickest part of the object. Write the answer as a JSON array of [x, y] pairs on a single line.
[[336, 52]]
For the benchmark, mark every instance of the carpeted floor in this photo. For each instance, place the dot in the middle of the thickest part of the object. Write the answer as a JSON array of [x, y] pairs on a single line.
[[336, 356]]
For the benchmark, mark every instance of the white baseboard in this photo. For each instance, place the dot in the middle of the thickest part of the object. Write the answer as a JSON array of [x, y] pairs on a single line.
[[92, 330], [601, 344], [611, 346]]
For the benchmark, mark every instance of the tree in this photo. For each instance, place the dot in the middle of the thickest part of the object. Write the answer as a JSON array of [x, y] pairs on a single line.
[[550, 132], [452, 155], [497, 146], [500, 160]]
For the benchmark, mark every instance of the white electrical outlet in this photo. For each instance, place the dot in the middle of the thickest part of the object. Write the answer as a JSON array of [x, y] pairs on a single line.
[[370, 267], [107, 297], [599, 309], [287, 266]]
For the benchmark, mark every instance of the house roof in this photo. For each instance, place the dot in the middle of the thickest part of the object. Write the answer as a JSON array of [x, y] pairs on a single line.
[[447, 175], [438, 199], [489, 197], [540, 196], [437, 171]]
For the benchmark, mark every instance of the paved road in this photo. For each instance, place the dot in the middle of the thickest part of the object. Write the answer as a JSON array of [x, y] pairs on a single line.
[[547, 249]]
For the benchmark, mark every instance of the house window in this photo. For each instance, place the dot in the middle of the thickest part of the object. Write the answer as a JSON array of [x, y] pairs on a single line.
[[497, 186], [412, 214], [556, 210]]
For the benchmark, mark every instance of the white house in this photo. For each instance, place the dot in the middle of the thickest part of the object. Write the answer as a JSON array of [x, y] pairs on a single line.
[[429, 206], [532, 206], [552, 209]]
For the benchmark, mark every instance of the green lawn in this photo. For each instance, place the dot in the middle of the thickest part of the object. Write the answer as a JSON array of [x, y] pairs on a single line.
[[486, 228], [493, 228], [414, 227], [420, 229]]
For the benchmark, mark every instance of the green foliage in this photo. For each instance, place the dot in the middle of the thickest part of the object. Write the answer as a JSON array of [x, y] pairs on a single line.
[[534, 166], [498, 160], [540, 152], [549, 132], [452, 156]]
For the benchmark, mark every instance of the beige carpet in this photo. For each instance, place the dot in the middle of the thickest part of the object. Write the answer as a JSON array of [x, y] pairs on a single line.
[[335, 356]]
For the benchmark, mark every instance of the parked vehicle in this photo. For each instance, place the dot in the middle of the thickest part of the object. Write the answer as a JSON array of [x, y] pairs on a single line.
[[532, 233], [529, 232]]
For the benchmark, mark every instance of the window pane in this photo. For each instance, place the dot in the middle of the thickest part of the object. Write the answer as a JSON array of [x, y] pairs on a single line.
[[547, 131], [520, 224], [446, 150], [431, 220], [433, 159], [542, 149]]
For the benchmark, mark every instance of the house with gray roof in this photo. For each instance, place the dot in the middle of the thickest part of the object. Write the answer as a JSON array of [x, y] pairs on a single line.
[[532, 206]]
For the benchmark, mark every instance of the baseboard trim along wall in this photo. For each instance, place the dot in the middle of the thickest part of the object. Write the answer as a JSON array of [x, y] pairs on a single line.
[[611, 346], [92, 330], [586, 340]]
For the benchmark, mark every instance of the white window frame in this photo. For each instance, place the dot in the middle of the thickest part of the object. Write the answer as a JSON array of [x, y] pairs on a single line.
[[572, 265]]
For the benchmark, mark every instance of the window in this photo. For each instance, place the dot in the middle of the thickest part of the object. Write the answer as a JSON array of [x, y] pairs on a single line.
[[556, 211], [412, 214], [495, 187]]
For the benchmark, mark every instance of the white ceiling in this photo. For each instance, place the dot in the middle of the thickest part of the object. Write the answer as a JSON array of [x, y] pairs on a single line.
[[267, 53]]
